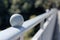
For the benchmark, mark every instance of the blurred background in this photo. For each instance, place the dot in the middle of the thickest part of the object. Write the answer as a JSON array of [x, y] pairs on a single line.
[[27, 8]]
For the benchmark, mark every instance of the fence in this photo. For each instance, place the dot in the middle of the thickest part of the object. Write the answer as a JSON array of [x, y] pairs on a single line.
[[18, 27]]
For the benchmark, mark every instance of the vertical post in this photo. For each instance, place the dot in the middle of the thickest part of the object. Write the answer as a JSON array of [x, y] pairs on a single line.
[[41, 24], [22, 37]]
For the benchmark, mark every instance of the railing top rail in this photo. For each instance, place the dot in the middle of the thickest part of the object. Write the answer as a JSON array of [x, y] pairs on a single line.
[[16, 30]]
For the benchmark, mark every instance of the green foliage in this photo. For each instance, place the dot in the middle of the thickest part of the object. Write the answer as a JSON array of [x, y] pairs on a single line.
[[5, 3], [26, 6]]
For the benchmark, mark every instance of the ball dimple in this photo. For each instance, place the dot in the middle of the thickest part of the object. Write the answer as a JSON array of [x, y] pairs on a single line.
[[16, 20]]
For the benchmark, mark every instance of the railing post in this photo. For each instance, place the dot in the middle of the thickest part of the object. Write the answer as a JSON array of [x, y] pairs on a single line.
[[22, 37], [41, 24]]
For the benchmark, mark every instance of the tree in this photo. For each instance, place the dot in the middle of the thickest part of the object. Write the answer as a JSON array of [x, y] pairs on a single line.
[[4, 15]]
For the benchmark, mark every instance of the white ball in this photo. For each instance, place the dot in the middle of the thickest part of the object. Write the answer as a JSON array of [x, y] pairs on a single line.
[[16, 20]]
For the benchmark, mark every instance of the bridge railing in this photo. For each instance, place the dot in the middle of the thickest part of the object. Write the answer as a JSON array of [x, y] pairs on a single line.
[[19, 27]]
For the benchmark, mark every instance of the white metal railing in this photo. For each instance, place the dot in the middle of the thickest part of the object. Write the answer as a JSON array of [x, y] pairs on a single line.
[[19, 27], [46, 32]]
